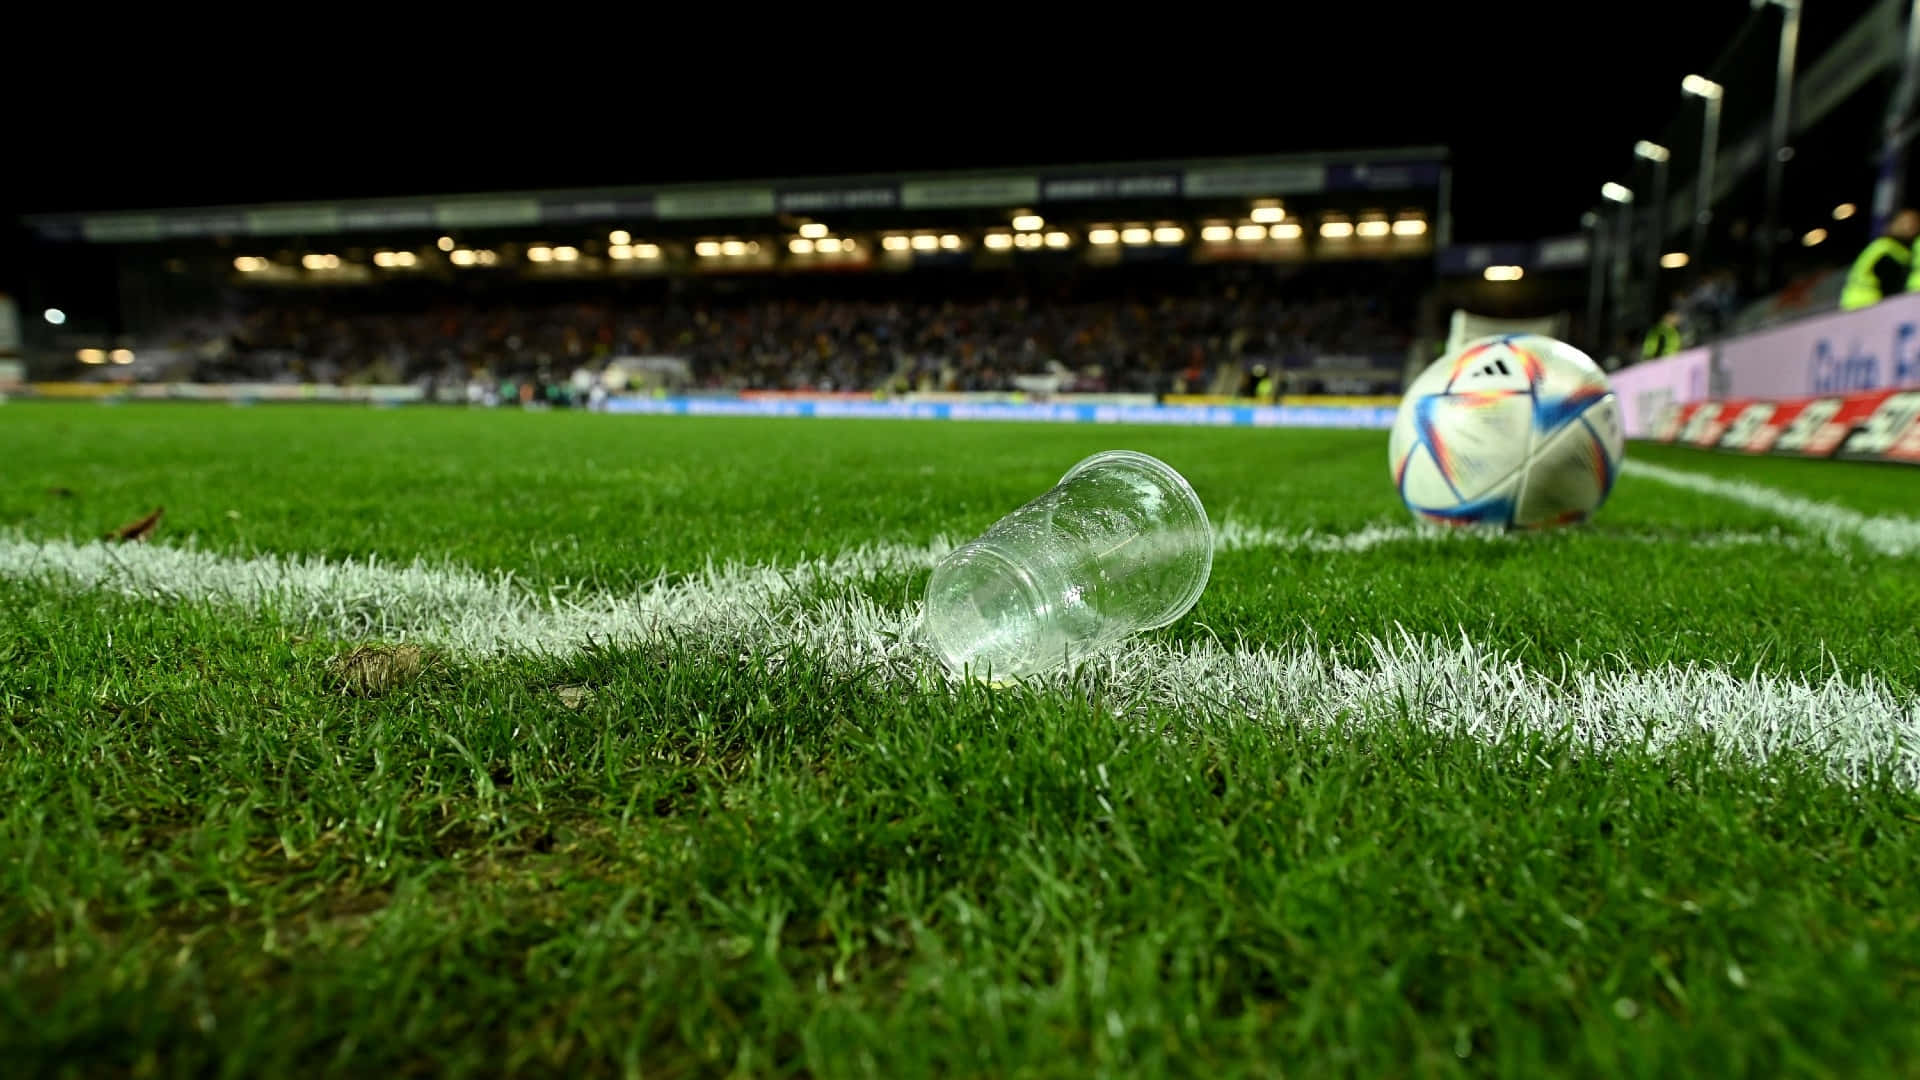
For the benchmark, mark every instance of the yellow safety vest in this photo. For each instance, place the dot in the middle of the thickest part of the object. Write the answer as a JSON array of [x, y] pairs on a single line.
[[1863, 288], [1662, 340]]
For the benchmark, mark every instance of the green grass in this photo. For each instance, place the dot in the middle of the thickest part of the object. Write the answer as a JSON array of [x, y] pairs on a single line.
[[220, 861]]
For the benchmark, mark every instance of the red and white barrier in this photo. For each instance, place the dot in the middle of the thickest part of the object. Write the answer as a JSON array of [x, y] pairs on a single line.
[[1875, 425]]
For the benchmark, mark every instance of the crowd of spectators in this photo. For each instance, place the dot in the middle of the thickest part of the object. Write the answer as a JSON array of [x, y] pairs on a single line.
[[1105, 336]]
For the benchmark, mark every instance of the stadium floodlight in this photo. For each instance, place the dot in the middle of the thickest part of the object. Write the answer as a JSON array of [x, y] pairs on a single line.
[[896, 242], [646, 251], [121, 356], [1287, 230], [1027, 240], [620, 237], [620, 252], [54, 316], [1702, 87], [1503, 273], [832, 245], [813, 230], [926, 242], [1251, 233], [707, 249], [1103, 235], [1136, 235], [565, 253], [404, 258], [1336, 230], [1410, 226], [1844, 211], [91, 356], [1058, 239], [1169, 234], [1216, 234], [461, 257], [998, 241], [445, 243], [1674, 260], [951, 241], [1813, 237], [1613, 192], [248, 264], [1028, 222], [540, 253], [1268, 215], [1650, 151], [1373, 229], [383, 259], [733, 249], [313, 261], [800, 245]]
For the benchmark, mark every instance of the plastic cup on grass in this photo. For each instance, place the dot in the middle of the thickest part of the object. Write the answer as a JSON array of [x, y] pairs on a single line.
[[1120, 545]]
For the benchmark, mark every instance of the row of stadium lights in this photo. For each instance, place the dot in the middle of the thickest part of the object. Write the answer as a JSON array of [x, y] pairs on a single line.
[[1267, 221]]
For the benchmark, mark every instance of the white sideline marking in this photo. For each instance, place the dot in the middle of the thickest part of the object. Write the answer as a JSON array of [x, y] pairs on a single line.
[[1858, 726], [1887, 535]]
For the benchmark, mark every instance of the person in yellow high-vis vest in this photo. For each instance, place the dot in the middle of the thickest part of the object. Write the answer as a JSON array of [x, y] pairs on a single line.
[[1663, 339], [1885, 266]]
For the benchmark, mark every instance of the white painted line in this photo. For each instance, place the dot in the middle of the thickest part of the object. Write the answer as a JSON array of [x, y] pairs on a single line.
[[1886, 535], [1858, 725]]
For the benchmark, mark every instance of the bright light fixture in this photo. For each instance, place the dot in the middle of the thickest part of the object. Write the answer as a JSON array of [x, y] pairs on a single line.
[[1372, 229], [1674, 260], [1268, 215], [1028, 222], [1058, 239], [1844, 211], [1216, 234], [1410, 227], [54, 316], [1813, 236], [707, 249], [998, 241], [1701, 86], [1650, 151], [1613, 192], [800, 245], [896, 242], [925, 242], [1102, 236], [1287, 230], [1336, 230], [539, 253], [1503, 273], [620, 238], [1136, 235], [813, 230]]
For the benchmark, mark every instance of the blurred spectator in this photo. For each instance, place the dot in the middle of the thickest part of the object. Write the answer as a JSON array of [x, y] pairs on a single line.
[[1663, 338], [1884, 266]]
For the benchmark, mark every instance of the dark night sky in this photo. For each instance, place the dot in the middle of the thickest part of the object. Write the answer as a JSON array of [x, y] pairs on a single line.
[[1539, 101]]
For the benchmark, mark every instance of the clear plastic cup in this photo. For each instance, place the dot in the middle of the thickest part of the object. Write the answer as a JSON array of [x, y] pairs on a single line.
[[1120, 545]]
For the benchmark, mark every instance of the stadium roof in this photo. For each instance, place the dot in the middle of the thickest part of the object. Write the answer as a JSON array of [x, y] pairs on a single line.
[[1385, 170]]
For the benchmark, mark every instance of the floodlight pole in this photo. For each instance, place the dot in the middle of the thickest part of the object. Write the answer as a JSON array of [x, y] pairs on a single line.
[[1897, 131], [1712, 93], [1778, 151], [1656, 156], [1595, 222]]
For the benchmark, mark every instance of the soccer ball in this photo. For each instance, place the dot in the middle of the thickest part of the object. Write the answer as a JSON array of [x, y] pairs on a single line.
[[1516, 430]]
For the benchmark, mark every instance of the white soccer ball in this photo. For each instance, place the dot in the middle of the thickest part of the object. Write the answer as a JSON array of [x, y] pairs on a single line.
[[1515, 430]]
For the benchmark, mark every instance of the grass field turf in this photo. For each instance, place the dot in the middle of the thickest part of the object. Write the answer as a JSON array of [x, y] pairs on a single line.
[[765, 863]]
